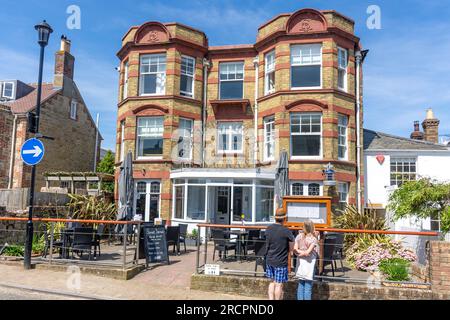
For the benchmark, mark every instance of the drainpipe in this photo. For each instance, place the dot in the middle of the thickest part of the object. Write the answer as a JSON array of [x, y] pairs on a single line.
[[206, 65], [13, 147], [96, 142], [255, 152], [358, 58]]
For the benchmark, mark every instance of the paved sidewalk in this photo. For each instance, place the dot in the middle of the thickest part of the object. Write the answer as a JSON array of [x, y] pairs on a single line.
[[156, 284]]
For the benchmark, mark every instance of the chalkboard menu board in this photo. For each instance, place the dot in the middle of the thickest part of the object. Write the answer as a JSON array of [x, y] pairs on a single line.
[[155, 244]]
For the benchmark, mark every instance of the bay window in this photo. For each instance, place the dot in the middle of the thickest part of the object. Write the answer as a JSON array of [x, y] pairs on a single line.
[[269, 76], [122, 140], [150, 136], [229, 137], [125, 81], [306, 66], [342, 137], [185, 139], [306, 135], [231, 76], [264, 205], [152, 74], [342, 69], [343, 192], [306, 188], [269, 138], [179, 202], [187, 76]]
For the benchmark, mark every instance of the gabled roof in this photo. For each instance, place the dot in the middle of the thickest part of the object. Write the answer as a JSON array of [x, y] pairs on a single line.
[[28, 102], [374, 140]]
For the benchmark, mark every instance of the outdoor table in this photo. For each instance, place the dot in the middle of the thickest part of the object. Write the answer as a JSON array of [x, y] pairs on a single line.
[[241, 237]]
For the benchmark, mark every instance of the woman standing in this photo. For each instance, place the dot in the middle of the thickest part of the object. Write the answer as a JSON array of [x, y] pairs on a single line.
[[307, 250]]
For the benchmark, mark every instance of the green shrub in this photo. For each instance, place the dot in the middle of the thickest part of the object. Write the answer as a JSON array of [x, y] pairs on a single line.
[[396, 269], [14, 251]]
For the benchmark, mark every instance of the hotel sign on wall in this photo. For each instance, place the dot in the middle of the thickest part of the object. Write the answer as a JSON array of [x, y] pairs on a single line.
[[300, 209]]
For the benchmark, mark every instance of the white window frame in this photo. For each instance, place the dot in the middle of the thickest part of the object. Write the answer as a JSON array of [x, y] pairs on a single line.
[[122, 140], [189, 75], [269, 137], [73, 109], [342, 66], [185, 134], [306, 187], [320, 156], [233, 128], [343, 121], [161, 72], [228, 64], [157, 134], [148, 193], [269, 69], [125, 80], [343, 188], [402, 160], [299, 56], [4, 90]]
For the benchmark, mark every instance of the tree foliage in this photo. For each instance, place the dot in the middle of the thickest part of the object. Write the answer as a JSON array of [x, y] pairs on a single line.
[[106, 165], [422, 198]]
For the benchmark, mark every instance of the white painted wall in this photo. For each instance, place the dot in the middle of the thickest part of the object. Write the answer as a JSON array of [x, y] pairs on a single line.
[[435, 165]]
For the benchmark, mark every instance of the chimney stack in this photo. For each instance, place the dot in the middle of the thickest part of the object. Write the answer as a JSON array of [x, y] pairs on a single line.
[[64, 64], [431, 127], [417, 134]]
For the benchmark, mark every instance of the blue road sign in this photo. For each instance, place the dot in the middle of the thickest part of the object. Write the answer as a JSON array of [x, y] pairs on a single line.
[[32, 152]]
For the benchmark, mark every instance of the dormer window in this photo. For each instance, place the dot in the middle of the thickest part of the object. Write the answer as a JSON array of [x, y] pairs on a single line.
[[8, 90]]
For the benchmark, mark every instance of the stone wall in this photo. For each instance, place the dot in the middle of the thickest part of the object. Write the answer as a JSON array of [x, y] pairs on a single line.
[[6, 126]]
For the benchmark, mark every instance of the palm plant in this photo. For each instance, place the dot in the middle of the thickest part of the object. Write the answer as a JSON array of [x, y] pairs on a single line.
[[91, 208], [351, 218]]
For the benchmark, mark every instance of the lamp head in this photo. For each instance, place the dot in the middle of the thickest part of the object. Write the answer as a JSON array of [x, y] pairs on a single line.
[[44, 30]]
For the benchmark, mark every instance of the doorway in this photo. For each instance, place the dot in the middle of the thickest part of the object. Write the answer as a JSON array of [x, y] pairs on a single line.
[[219, 204]]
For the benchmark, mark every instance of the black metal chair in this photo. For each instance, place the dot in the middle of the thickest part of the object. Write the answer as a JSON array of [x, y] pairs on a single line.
[[173, 238], [97, 238], [260, 254], [221, 243], [338, 249], [183, 234], [57, 244], [82, 241], [328, 252], [253, 236]]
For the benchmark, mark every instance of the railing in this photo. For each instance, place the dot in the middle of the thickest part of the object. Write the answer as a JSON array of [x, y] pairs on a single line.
[[74, 241], [240, 250]]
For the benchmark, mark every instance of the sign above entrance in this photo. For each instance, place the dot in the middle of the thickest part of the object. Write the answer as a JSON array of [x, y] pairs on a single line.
[[300, 209]]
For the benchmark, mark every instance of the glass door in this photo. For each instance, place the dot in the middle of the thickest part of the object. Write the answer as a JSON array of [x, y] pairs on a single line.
[[147, 203]]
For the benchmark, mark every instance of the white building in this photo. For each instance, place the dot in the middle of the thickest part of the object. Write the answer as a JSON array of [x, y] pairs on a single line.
[[390, 160]]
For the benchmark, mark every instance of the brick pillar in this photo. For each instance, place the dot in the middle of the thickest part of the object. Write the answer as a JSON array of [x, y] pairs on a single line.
[[440, 267]]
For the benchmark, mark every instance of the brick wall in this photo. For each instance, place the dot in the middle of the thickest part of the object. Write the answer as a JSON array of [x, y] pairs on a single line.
[[440, 266], [6, 126]]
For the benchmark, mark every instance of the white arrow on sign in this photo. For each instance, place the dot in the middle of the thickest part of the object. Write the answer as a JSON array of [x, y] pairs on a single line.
[[36, 152]]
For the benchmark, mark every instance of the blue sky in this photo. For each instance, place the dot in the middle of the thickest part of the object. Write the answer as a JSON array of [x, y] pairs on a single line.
[[406, 72]]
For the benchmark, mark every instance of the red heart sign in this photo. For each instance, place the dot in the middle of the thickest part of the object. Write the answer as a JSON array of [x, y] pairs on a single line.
[[380, 159]]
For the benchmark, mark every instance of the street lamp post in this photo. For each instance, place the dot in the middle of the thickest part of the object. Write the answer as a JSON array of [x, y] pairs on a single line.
[[44, 30]]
